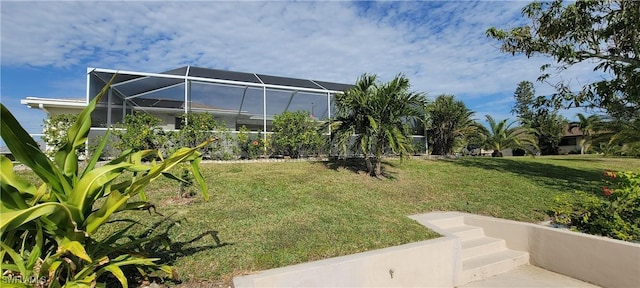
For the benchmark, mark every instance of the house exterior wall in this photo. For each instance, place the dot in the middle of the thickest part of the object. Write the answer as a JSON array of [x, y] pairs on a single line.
[[232, 122], [483, 152], [569, 144], [168, 120], [54, 111]]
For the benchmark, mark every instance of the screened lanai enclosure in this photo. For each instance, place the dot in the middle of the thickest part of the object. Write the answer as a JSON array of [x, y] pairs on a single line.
[[235, 98]]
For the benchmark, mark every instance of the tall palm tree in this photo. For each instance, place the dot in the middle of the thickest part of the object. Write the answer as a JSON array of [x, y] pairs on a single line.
[[501, 135], [377, 115], [589, 125], [448, 121]]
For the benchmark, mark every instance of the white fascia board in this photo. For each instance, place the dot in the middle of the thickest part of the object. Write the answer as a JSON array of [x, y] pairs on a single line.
[[29, 101]]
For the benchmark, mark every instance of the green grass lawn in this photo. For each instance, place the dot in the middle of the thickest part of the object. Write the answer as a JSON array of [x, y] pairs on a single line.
[[268, 215]]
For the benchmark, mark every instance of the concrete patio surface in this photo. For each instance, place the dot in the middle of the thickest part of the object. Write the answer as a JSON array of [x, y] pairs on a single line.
[[528, 276]]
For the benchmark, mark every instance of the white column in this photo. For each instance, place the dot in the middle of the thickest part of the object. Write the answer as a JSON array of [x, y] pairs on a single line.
[[328, 105], [264, 114], [187, 92], [109, 99], [88, 84]]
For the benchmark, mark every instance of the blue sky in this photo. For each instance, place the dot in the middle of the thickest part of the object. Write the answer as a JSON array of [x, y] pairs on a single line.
[[440, 46]]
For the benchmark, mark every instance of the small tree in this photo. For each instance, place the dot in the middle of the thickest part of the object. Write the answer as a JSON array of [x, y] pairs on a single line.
[[549, 126], [296, 134], [449, 122], [549, 130], [377, 114]]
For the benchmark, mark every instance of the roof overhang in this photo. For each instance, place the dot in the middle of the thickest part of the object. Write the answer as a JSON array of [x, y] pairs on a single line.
[[39, 103]]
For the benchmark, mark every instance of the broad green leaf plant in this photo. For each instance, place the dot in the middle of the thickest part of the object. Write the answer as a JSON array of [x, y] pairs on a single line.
[[47, 231]]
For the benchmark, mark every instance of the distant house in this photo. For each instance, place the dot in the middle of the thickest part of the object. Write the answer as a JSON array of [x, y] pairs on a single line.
[[571, 140], [235, 98]]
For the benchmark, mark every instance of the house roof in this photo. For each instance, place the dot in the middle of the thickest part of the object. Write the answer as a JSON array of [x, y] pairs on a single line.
[[572, 130], [130, 83]]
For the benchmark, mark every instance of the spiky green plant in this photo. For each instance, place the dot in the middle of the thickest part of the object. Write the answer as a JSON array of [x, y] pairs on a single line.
[[47, 231]]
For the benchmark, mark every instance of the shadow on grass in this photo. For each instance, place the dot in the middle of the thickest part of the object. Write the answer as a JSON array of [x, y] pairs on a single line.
[[562, 178], [575, 159], [161, 246], [358, 165], [179, 249]]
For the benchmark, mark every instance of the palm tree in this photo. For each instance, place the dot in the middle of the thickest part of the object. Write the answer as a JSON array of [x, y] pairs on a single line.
[[449, 121], [501, 136], [624, 134], [377, 115], [549, 129], [589, 126]]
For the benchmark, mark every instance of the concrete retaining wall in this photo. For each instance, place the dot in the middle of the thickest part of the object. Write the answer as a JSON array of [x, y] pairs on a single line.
[[421, 264]]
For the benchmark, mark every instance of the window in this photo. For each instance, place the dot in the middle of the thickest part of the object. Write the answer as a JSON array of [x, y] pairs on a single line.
[[569, 141]]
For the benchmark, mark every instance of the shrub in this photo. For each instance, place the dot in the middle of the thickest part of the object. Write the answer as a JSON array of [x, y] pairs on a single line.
[[296, 134], [615, 213], [110, 151], [225, 146], [48, 231], [141, 131], [198, 127], [55, 132], [185, 185], [250, 146]]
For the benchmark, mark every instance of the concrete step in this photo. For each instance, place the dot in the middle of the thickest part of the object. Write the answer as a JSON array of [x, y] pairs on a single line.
[[481, 246], [481, 256], [444, 221], [465, 232], [482, 267]]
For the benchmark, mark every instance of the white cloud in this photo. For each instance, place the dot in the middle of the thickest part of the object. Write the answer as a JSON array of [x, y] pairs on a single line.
[[440, 46]]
